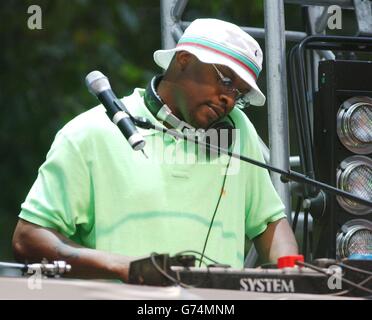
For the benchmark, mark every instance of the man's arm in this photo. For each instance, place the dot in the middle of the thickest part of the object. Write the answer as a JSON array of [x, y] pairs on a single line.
[[33, 243], [276, 241]]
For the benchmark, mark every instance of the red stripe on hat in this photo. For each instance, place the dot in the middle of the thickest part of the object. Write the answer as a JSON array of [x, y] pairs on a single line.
[[221, 53]]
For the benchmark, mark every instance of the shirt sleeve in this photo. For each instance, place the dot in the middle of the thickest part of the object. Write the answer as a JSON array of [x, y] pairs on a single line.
[[59, 198], [263, 202]]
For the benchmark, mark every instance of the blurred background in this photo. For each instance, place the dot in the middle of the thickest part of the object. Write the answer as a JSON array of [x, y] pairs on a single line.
[[42, 74]]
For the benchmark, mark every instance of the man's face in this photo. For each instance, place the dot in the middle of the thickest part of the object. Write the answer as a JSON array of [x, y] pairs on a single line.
[[200, 96]]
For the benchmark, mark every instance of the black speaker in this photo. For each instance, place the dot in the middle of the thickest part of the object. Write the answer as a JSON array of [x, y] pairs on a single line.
[[343, 157]]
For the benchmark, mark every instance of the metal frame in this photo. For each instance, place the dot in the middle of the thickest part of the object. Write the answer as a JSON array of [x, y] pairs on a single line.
[[277, 95], [363, 12], [346, 4]]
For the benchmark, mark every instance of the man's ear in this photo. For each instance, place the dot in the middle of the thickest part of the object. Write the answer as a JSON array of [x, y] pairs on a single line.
[[183, 58]]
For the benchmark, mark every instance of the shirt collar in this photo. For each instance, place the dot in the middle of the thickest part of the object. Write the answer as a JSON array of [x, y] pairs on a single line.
[[136, 106]]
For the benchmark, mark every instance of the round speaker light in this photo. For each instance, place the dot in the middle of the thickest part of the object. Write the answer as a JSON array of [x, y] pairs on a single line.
[[354, 124], [355, 237], [354, 175]]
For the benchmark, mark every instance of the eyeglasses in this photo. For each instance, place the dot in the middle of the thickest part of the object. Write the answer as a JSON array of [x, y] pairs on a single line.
[[227, 83]]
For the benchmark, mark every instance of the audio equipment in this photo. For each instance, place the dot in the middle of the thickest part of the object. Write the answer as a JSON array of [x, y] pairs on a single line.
[[325, 276]]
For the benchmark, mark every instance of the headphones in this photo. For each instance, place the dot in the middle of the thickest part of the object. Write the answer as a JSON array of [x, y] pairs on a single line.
[[212, 135]]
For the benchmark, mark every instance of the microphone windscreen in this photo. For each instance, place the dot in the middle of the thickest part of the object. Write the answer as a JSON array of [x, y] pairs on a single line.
[[97, 82]]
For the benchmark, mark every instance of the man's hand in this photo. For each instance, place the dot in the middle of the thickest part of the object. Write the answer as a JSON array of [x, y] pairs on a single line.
[[276, 241]]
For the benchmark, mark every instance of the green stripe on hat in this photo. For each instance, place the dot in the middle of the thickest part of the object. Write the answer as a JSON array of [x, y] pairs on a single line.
[[243, 59]]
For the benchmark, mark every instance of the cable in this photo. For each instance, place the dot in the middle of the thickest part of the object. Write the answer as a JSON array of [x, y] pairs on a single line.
[[174, 280], [200, 283], [311, 248], [218, 202], [215, 211], [305, 230], [199, 253], [320, 270], [19, 266], [297, 78], [165, 274], [358, 270], [353, 268], [178, 280], [297, 212], [341, 293]]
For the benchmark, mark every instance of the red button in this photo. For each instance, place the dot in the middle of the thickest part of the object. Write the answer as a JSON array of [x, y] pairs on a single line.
[[289, 261]]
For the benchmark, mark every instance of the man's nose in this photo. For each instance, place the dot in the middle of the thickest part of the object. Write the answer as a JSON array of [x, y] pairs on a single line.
[[227, 102]]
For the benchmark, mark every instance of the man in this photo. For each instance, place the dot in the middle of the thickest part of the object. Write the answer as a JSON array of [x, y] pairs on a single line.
[[97, 204]]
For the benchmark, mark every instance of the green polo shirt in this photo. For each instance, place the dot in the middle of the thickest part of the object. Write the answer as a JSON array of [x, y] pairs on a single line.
[[94, 189]]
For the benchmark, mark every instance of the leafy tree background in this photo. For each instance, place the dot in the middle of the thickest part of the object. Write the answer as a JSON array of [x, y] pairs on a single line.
[[42, 73]]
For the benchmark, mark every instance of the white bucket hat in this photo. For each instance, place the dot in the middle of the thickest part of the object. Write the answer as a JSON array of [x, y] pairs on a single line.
[[220, 42]]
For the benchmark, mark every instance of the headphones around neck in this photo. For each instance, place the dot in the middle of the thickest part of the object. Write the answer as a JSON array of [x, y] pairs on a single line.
[[220, 134]]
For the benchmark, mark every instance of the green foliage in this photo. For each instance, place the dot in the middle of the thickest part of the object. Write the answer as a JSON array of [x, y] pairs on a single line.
[[42, 78]]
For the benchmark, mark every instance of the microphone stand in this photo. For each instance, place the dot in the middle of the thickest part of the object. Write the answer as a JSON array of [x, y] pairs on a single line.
[[286, 176]]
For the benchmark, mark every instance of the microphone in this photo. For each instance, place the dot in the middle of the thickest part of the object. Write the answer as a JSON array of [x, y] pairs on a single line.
[[99, 86]]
